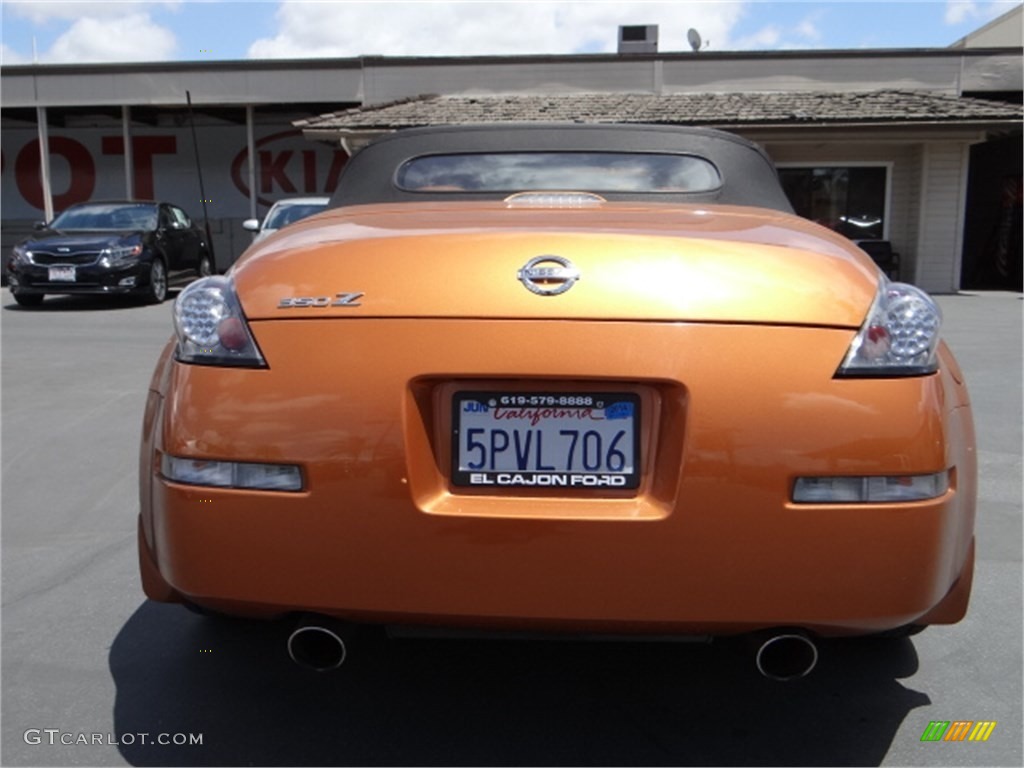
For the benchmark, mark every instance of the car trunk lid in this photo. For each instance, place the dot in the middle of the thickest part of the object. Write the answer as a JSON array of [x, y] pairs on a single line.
[[633, 262]]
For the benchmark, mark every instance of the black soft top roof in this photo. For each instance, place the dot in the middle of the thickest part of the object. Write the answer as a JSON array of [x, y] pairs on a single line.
[[748, 175]]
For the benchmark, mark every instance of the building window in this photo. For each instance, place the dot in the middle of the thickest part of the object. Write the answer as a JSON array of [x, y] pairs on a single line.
[[849, 199]]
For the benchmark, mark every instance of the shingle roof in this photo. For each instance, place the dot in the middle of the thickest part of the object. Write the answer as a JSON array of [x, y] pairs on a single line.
[[715, 109]]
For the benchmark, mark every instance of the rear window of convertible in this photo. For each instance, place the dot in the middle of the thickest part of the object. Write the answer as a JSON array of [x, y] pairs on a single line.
[[589, 171]]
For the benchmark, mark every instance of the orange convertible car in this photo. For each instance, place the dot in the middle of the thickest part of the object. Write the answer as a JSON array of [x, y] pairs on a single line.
[[586, 379]]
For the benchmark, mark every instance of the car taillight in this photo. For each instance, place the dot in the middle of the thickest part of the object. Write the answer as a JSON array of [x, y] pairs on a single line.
[[899, 336], [211, 327]]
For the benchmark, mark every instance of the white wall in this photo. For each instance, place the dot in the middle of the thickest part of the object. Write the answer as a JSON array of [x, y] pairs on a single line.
[[941, 219]]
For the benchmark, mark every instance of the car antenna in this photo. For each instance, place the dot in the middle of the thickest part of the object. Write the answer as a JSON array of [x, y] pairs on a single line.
[[199, 172]]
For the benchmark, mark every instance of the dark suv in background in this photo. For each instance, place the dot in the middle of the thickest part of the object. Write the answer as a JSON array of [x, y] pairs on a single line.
[[114, 247]]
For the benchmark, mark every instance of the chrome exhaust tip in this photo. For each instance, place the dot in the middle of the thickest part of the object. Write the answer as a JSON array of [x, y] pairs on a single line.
[[787, 656], [320, 645]]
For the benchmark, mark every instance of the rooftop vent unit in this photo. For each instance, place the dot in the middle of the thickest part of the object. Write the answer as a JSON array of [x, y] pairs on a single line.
[[642, 38]]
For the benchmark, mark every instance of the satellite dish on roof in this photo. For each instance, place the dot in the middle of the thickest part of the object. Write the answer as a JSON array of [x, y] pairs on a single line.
[[694, 37]]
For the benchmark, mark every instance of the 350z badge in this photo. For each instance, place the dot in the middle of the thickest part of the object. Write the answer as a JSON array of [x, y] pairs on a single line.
[[339, 300]]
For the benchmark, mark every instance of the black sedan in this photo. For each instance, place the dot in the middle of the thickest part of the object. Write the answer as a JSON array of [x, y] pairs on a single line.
[[116, 247]]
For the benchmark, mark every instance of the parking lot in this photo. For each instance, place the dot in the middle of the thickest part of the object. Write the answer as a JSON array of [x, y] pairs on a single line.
[[85, 654]]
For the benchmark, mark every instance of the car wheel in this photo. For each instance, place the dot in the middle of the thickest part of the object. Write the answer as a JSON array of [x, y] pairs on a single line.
[[205, 265], [29, 299], [157, 291]]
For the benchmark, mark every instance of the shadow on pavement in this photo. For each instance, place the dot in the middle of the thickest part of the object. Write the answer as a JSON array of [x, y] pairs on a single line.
[[86, 302], [447, 702], [76, 304]]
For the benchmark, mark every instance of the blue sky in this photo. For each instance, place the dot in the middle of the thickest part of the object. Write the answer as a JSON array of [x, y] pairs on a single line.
[[157, 30]]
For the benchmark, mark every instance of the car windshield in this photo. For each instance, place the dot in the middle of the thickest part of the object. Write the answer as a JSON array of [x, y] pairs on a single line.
[[284, 215], [112, 216], [590, 171]]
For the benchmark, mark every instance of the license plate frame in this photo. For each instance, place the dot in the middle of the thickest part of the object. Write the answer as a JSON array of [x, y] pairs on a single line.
[[538, 449], [63, 274]]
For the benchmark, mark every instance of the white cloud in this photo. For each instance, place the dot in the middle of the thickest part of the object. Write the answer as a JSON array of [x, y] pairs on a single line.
[[40, 12], [478, 28], [766, 37], [808, 26], [803, 34], [133, 37], [9, 56], [958, 11]]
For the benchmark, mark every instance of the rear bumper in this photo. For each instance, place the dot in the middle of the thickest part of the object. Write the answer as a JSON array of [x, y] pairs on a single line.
[[709, 543]]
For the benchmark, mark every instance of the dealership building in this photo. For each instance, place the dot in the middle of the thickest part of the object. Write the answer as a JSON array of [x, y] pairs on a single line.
[[917, 147]]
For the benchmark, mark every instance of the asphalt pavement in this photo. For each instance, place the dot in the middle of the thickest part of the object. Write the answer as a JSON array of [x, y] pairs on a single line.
[[85, 658]]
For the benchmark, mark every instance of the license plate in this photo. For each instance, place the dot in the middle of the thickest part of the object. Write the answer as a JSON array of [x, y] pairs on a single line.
[[62, 274], [546, 439]]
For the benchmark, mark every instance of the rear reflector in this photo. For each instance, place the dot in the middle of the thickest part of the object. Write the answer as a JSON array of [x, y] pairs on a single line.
[[869, 490], [232, 474]]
